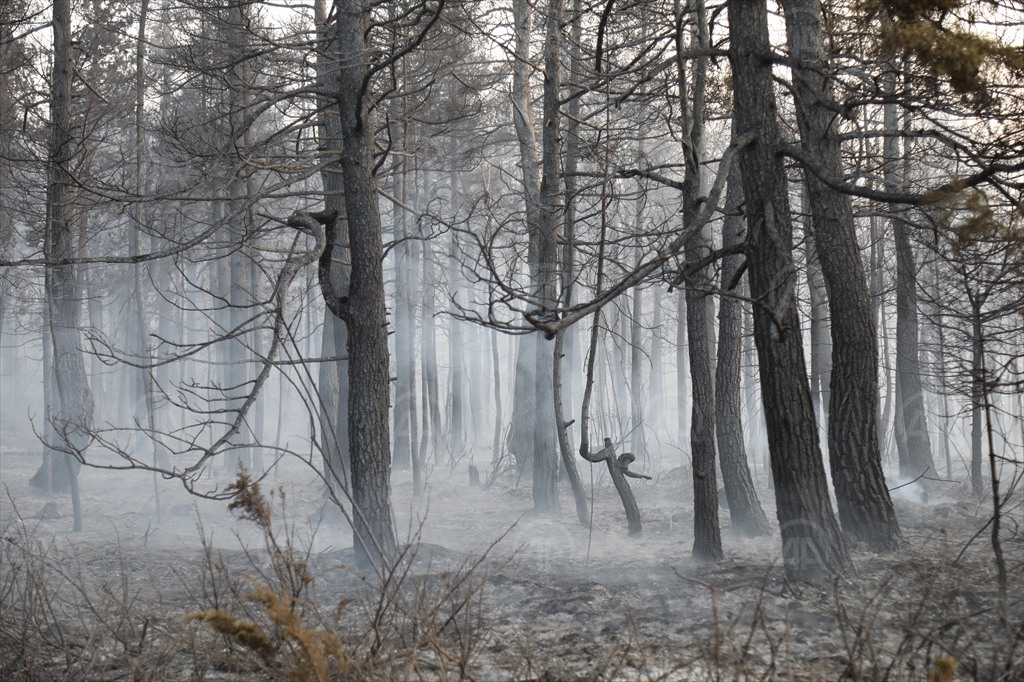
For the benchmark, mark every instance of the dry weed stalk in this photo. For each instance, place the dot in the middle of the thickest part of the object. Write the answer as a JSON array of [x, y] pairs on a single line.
[[925, 613], [401, 625], [265, 620], [62, 621]]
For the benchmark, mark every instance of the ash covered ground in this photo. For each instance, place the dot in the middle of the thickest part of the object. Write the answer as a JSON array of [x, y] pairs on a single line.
[[551, 600]]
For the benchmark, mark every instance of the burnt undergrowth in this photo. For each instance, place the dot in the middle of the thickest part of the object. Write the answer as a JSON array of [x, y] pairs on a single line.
[[276, 610]]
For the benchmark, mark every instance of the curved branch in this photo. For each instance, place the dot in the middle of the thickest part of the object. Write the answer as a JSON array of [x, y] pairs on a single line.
[[321, 226]]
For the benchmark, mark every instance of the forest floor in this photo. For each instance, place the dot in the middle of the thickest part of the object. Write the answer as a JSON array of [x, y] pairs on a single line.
[[551, 600]]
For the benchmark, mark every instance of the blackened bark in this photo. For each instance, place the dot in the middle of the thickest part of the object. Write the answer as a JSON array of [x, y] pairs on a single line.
[[405, 355], [564, 447], [72, 420], [707, 535], [813, 547], [908, 368], [520, 438], [545, 456], [369, 442], [457, 376], [567, 274], [878, 314], [636, 361], [911, 427], [751, 391], [682, 369], [334, 386], [618, 468], [821, 335], [748, 518], [637, 428], [978, 400], [865, 510], [570, 165]]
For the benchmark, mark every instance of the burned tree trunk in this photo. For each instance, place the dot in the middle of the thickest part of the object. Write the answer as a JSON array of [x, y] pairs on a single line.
[[72, 420], [333, 375], [564, 448], [911, 425], [545, 461], [865, 510], [745, 510], [707, 536], [365, 313], [618, 467], [812, 543], [524, 406]]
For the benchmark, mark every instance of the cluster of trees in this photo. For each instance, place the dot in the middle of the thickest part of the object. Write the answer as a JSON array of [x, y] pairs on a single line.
[[206, 204]]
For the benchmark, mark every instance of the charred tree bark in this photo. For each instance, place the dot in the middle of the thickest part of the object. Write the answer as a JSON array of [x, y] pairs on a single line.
[[564, 447], [748, 518], [865, 510], [524, 405], [813, 547], [72, 420], [618, 468], [333, 385], [567, 275], [545, 462], [369, 442], [878, 313], [707, 535], [979, 399], [910, 408], [636, 362], [638, 436], [821, 334], [682, 370], [912, 426], [751, 392], [405, 355]]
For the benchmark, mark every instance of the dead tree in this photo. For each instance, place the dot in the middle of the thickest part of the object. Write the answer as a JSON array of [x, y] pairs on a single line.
[[618, 467]]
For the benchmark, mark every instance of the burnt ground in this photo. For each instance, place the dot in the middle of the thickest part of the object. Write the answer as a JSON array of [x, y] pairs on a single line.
[[562, 601]]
